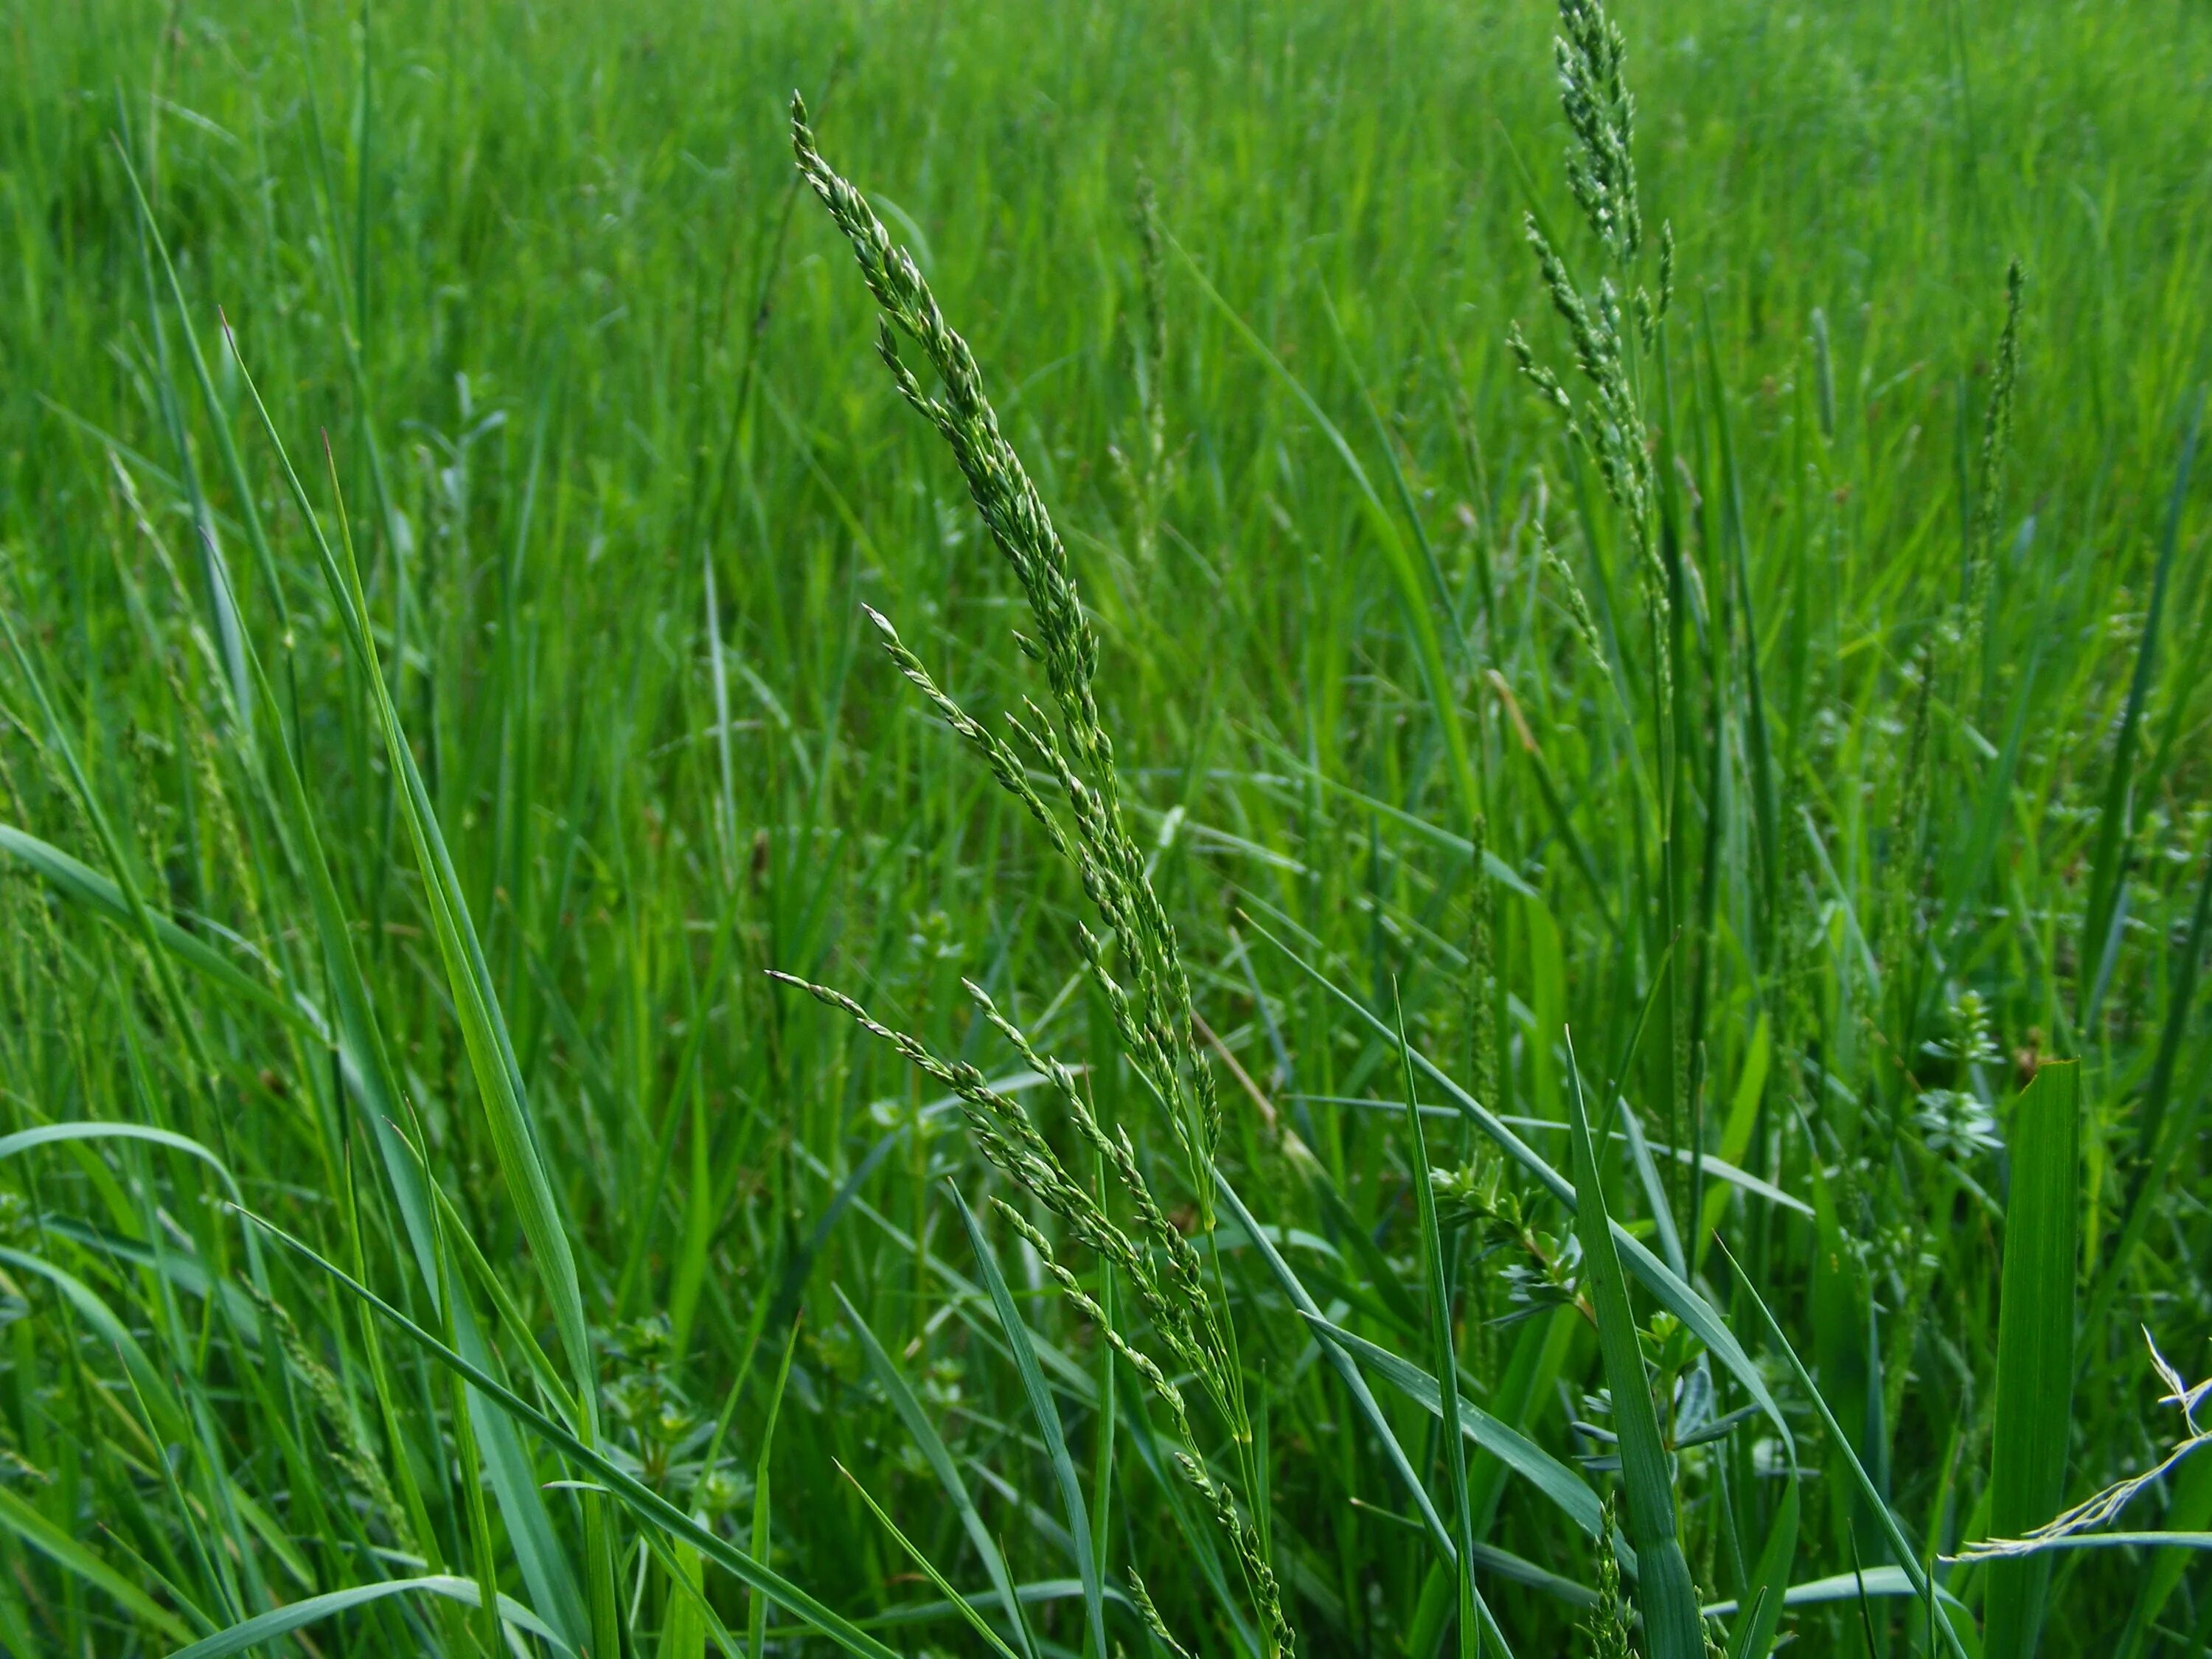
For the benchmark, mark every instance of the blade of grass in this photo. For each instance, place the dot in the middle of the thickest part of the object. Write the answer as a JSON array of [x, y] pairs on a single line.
[[1664, 1591], [41, 1534], [1443, 1350], [756, 1609], [1670, 1290], [1047, 1413], [1769, 1585], [1363, 1397], [641, 1500], [934, 1452], [2035, 1348], [1557, 1482], [2114, 829], [82, 884], [365, 1064], [1899, 1546], [958, 1602], [279, 1622]]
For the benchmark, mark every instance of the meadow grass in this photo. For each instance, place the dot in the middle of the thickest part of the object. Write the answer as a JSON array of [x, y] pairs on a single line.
[[1466, 722]]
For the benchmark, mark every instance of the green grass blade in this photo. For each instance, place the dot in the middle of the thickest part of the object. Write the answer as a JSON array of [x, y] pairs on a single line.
[[1340, 1361], [1562, 1485], [2114, 826], [2035, 1348], [1672, 1292], [1047, 1413], [958, 1602], [48, 1134], [1907, 1563], [1444, 1352], [280, 1622], [82, 884], [476, 1003], [641, 1500], [934, 1452], [1883, 1582], [1664, 1591], [162, 1405], [756, 1610], [1769, 1587], [366, 1064], [41, 1534]]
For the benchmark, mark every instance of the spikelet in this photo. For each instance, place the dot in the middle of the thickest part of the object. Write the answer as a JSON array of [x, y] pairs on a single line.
[[1608, 420], [1989, 482]]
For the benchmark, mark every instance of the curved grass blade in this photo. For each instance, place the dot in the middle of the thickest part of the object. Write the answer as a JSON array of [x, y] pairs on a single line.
[[1719, 1169], [641, 1500], [1879, 1582], [82, 884], [1363, 1397], [475, 1001], [298, 1615], [1906, 1562], [1664, 1591], [169, 1416], [1664, 1284], [47, 1135], [50, 1541], [957, 1601], [940, 1460], [1557, 1482], [1047, 1417], [2115, 828]]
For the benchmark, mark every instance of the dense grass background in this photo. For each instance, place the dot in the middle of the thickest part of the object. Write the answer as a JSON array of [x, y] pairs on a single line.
[[615, 425]]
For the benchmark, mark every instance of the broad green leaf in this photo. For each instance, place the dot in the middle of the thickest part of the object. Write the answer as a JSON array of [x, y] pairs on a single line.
[[2035, 1348]]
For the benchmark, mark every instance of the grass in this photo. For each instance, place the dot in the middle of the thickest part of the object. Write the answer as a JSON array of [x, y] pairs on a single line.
[[1480, 927]]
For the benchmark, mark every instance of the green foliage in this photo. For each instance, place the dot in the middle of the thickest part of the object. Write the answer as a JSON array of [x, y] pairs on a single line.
[[429, 1220], [2035, 1347]]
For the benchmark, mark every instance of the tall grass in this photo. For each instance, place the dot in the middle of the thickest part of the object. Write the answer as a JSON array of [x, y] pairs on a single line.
[[1503, 889]]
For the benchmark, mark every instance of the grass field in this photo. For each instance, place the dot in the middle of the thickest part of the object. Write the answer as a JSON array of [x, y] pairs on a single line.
[[1739, 766]]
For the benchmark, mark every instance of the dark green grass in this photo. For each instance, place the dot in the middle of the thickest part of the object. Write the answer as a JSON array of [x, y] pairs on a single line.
[[610, 425]]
